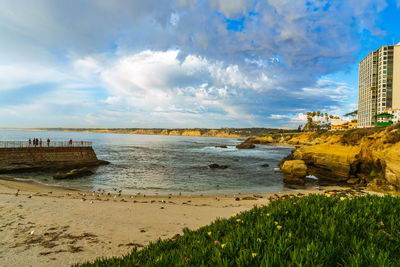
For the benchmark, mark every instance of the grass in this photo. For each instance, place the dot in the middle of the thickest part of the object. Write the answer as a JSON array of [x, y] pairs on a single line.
[[316, 230]]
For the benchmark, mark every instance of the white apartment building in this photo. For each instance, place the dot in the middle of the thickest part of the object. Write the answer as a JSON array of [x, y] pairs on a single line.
[[378, 84]]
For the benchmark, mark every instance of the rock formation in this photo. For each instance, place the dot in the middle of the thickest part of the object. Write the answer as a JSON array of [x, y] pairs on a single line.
[[245, 146], [217, 166], [361, 156], [73, 174], [295, 172]]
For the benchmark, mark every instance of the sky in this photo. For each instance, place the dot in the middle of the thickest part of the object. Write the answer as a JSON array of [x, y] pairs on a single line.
[[185, 64]]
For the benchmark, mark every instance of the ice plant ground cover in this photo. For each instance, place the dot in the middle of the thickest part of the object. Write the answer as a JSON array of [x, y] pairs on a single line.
[[316, 230]]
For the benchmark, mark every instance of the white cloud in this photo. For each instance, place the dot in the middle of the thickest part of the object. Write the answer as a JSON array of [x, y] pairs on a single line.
[[180, 59], [277, 116], [301, 117], [17, 76]]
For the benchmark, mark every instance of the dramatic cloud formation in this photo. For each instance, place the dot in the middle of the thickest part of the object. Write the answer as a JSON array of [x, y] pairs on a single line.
[[179, 63]]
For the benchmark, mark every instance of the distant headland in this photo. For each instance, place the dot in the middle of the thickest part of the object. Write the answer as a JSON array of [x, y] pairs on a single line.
[[205, 132]]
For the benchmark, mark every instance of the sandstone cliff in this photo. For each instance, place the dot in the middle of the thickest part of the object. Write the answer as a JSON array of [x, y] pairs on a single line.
[[222, 132], [368, 157]]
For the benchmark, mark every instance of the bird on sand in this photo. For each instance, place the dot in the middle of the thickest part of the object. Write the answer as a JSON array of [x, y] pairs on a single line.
[[16, 194], [30, 196]]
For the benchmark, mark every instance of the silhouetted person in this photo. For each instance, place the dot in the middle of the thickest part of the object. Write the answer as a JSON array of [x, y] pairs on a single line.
[[70, 142], [40, 142], [30, 142], [48, 142]]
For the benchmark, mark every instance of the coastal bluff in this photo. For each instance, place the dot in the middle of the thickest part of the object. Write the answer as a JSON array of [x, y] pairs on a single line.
[[368, 157], [27, 159]]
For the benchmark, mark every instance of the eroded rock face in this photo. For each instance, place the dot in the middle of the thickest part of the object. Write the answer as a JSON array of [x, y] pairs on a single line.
[[372, 160], [327, 161], [295, 172]]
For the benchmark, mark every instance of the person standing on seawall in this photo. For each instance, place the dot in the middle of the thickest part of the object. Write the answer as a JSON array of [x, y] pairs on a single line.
[[30, 142], [70, 141], [40, 142], [48, 142]]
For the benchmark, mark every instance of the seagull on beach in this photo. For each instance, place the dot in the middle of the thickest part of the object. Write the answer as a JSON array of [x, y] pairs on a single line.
[[30, 196], [16, 194]]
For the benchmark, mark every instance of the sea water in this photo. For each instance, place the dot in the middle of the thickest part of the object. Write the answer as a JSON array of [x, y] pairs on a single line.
[[158, 164]]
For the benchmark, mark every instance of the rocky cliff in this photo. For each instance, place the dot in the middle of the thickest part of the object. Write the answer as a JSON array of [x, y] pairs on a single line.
[[368, 157], [222, 132]]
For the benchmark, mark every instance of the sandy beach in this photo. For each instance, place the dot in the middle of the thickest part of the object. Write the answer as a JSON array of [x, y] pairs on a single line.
[[48, 226]]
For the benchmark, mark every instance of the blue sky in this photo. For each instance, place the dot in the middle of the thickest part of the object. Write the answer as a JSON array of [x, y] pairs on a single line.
[[181, 63]]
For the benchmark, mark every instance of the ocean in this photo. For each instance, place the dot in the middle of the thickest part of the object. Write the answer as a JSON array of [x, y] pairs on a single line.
[[157, 164]]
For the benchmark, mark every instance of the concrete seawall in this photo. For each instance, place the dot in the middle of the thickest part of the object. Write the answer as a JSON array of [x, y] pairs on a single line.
[[46, 158]]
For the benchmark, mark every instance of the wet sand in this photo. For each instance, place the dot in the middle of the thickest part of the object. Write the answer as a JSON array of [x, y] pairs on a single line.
[[47, 226]]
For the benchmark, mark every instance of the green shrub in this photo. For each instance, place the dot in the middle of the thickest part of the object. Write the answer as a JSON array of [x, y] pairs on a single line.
[[316, 230]]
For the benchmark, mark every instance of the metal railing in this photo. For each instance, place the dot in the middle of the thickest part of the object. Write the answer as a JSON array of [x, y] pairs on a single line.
[[14, 144]]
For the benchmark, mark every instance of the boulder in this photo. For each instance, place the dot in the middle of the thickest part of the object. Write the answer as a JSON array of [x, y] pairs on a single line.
[[245, 146], [295, 172], [381, 185], [75, 173], [217, 166], [222, 146], [353, 181], [265, 165]]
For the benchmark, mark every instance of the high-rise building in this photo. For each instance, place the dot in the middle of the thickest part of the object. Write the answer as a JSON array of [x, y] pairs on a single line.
[[378, 84]]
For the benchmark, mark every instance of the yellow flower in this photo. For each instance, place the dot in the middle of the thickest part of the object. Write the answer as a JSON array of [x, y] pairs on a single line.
[[259, 240], [268, 214], [327, 195], [341, 198], [233, 215], [278, 227], [203, 225], [238, 220], [253, 255], [286, 212], [283, 198], [276, 223], [209, 233], [223, 245]]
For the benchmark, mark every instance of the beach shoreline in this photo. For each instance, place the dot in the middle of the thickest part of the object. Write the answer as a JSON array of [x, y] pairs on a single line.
[[52, 226]]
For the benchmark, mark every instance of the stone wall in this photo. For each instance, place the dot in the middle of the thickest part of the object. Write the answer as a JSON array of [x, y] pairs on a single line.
[[49, 154], [46, 158]]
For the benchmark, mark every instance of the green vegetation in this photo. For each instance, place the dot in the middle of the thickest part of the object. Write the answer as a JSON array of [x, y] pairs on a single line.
[[317, 121], [352, 114], [317, 230]]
